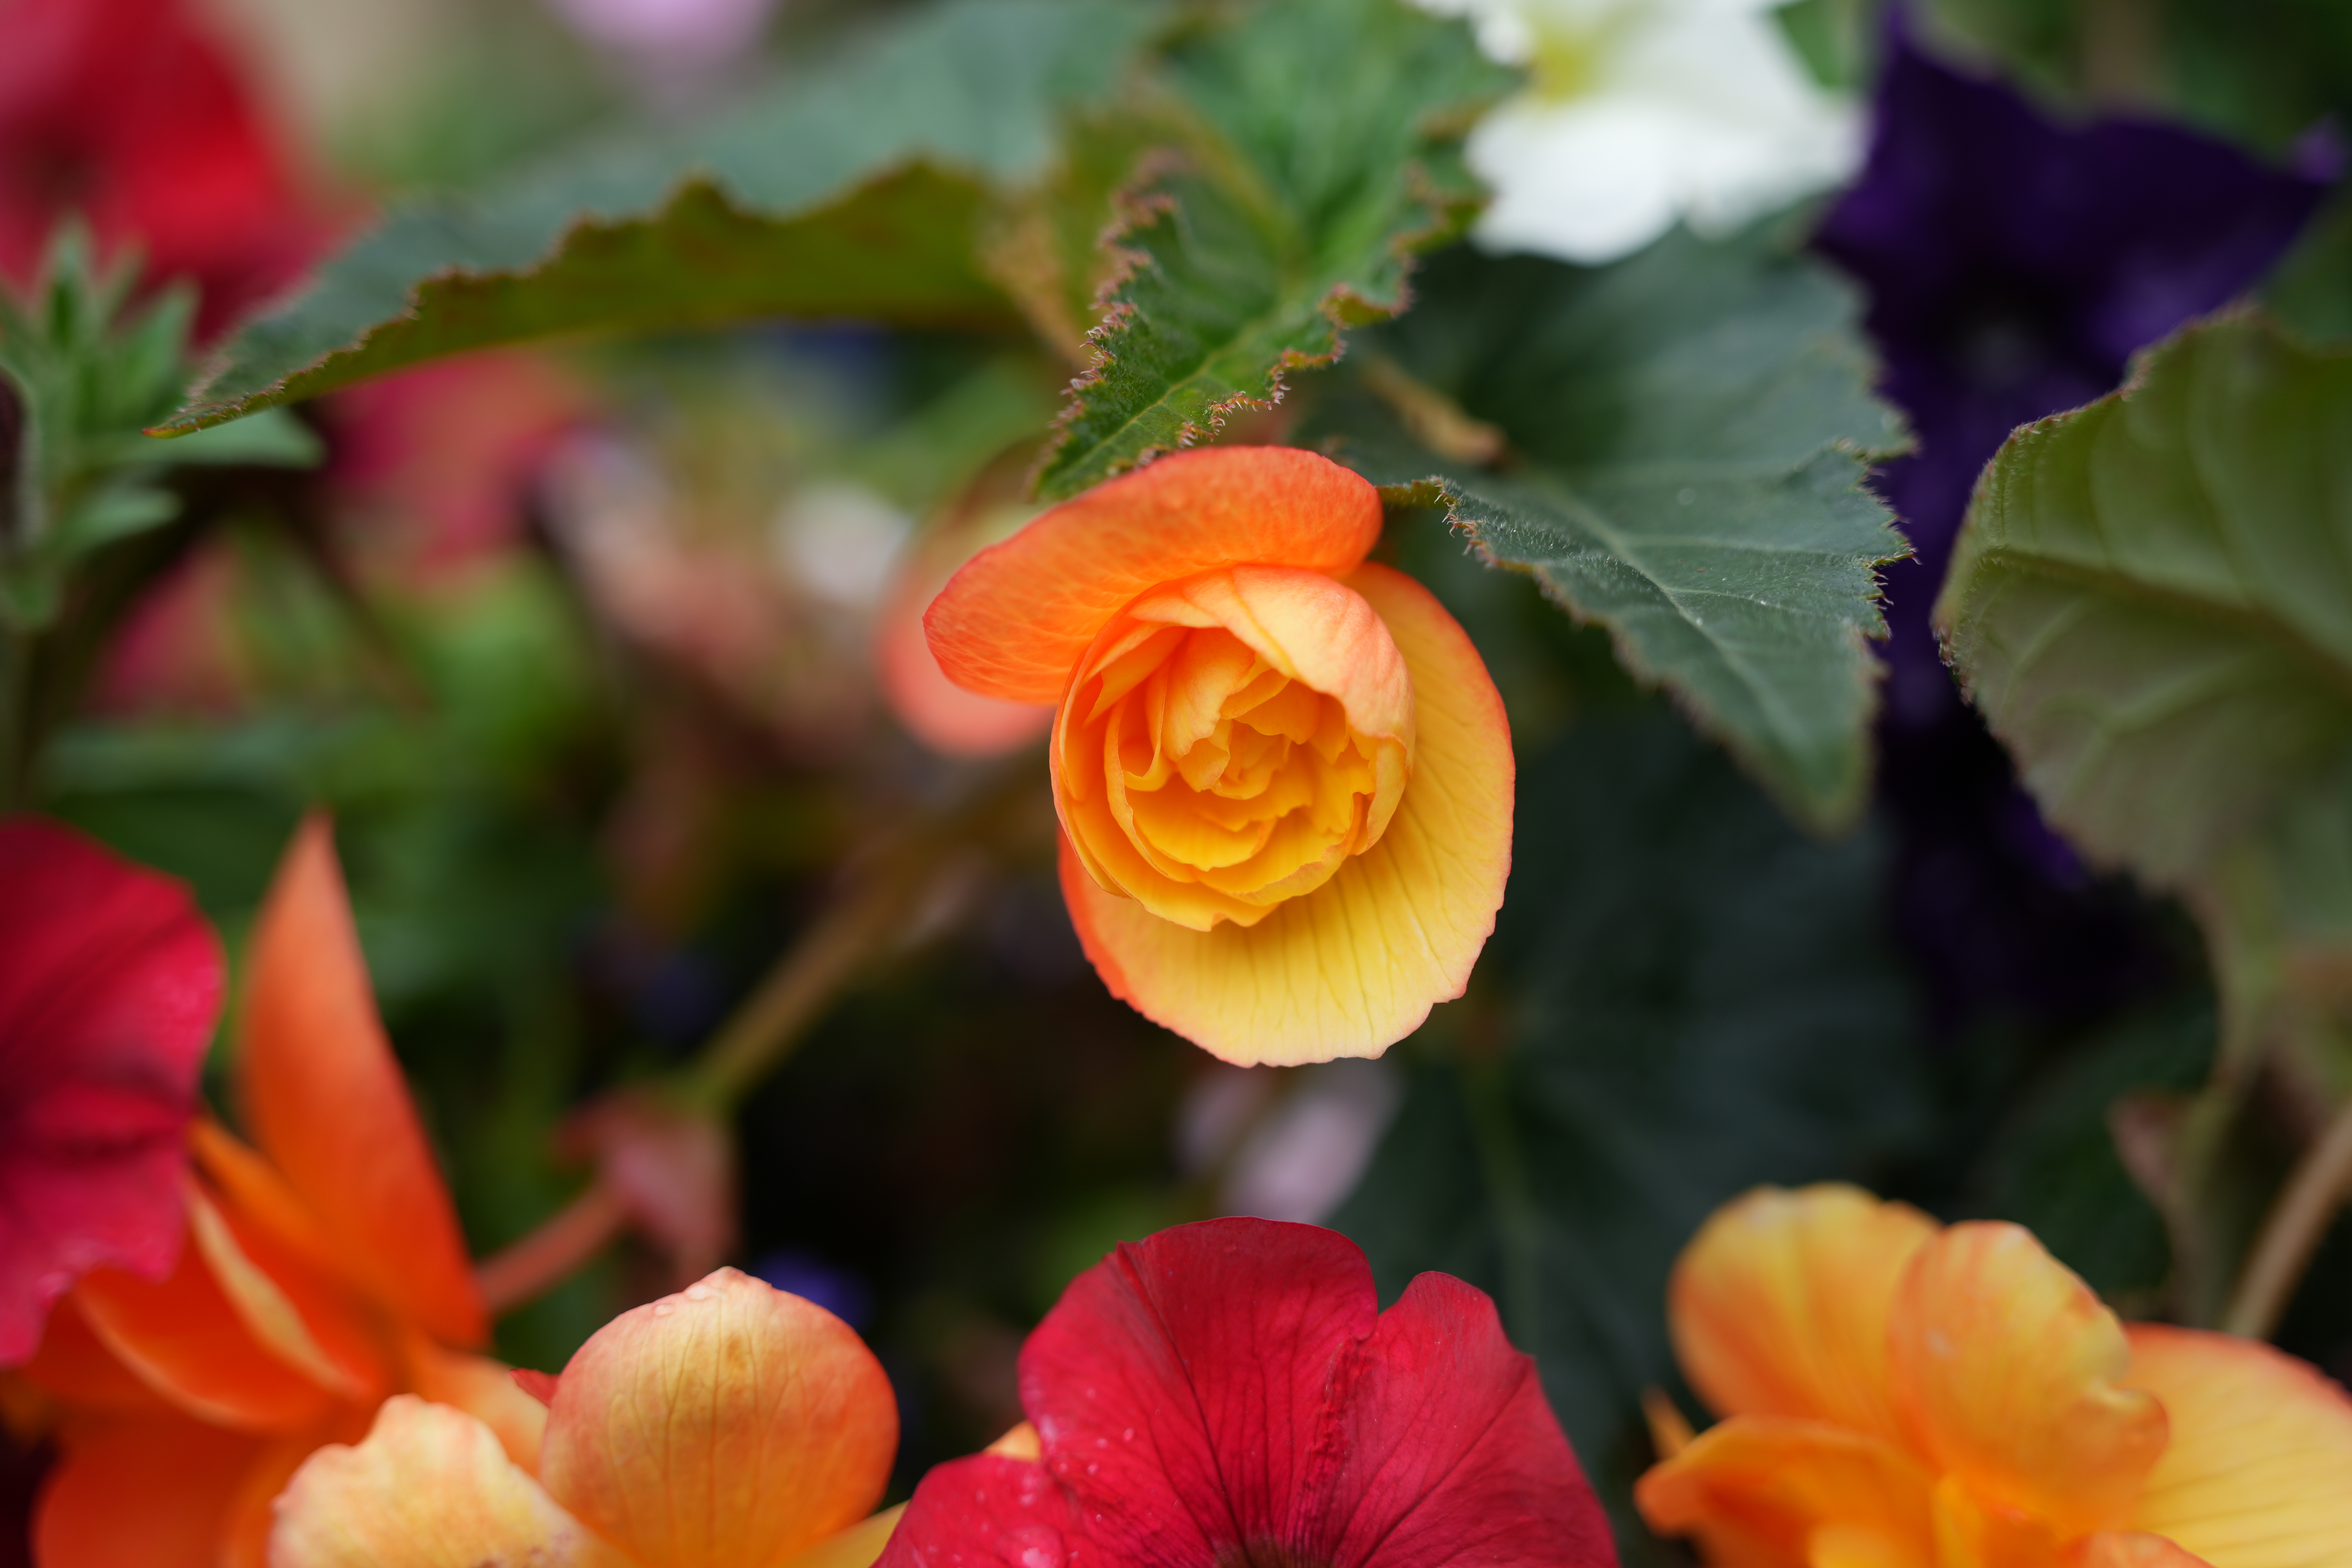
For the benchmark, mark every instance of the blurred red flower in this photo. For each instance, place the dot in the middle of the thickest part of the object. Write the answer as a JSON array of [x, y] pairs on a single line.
[[1230, 1392], [129, 114], [110, 984]]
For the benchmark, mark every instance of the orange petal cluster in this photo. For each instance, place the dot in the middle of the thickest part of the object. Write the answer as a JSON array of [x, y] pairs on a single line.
[[1284, 778], [729, 1424], [323, 1270], [1902, 1395]]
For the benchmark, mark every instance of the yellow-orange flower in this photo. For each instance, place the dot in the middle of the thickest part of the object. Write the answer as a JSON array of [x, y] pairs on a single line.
[[727, 1425], [1284, 778], [322, 1270], [1899, 1395]]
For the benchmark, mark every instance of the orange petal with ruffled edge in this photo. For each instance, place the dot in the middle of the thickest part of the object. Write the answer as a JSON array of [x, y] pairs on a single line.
[[1764, 1490], [328, 1106], [2010, 1375], [2259, 1471], [1779, 1305], [1355, 966], [1013, 622], [730, 1424], [430, 1487], [140, 1494]]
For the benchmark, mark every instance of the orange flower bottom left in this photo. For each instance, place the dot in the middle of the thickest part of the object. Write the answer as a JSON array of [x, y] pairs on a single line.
[[179, 1409]]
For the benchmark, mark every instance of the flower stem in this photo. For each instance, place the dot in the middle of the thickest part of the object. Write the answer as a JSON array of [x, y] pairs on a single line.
[[559, 1249], [2315, 1190], [874, 910]]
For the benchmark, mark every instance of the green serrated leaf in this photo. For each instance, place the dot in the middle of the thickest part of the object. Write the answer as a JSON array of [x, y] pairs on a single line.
[[273, 438], [1685, 997], [1686, 435], [1321, 151], [854, 190], [2152, 604]]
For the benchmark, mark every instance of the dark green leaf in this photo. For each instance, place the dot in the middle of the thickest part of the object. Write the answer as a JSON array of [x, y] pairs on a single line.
[[1686, 432], [855, 189], [1322, 151], [2152, 604], [1683, 998]]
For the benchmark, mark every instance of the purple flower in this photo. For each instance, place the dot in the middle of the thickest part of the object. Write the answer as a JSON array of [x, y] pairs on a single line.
[[2012, 264]]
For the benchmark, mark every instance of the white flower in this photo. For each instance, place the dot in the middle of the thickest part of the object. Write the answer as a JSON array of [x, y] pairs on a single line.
[[1639, 112]]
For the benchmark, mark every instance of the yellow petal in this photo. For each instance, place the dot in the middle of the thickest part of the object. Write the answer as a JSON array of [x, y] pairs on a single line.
[[1767, 1489], [430, 1487], [1779, 1304], [2259, 1471], [730, 1425], [856, 1547], [2009, 1374], [1355, 966]]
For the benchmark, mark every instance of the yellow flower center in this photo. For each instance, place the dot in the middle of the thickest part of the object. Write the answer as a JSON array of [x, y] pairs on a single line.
[[1230, 740]]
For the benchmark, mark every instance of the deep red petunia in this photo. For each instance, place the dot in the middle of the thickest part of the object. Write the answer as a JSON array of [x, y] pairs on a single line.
[[1227, 1394], [129, 114], [110, 984]]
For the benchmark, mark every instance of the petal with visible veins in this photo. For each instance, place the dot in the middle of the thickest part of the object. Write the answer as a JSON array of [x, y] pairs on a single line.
[[2259, 1471], [730, 1424]]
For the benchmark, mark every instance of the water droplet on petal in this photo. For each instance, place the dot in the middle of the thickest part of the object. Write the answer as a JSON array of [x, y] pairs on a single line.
[[1033, 1546]]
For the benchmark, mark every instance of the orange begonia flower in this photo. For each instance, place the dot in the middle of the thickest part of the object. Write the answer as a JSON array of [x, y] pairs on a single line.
[[322, 1270], [730, 1425], [1284, 778], [1900, 1395]]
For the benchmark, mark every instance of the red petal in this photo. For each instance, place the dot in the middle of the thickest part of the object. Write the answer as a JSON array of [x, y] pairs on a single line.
[[1179, 1386], [328, 1106], [110, 984], [989, 1510], [1444, 1450]]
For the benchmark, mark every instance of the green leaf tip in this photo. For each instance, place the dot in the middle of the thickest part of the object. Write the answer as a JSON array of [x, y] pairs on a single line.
[[1686, 438], [1249, 247]]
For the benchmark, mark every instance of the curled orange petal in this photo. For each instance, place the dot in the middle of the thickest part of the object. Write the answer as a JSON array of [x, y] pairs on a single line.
[[1355, 965], [1779, 1305], [2010, 1375], [2259, 1470], [184, 1338], [429, 1488], [1231, 741], [1762, 1489], [1015, 621], [328, 1105], [730, 1424]]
